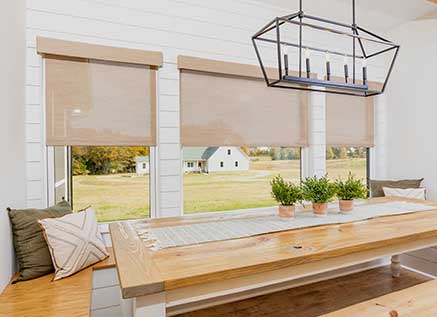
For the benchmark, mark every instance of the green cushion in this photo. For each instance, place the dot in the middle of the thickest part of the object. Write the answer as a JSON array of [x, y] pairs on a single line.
[[31, 249], [377, 185]]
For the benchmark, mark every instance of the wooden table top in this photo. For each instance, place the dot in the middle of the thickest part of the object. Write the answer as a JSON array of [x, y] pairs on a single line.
[[142, 271]]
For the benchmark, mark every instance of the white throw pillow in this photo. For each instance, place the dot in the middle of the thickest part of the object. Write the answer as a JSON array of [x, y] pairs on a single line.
[[74, 241], [416, 193]]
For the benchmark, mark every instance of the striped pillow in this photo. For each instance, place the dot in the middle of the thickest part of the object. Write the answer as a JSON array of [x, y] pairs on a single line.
[[74, 241], [416, 193]]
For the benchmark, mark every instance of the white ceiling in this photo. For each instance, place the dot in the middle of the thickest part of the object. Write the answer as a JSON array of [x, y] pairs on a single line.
[[377, 15]]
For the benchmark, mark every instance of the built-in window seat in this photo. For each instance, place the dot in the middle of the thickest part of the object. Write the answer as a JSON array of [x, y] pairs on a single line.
[[418, 300], [93, 292]]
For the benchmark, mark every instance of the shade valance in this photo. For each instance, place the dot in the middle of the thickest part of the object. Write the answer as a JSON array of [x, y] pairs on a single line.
[[229, 104], [99, 102], [48, 46]]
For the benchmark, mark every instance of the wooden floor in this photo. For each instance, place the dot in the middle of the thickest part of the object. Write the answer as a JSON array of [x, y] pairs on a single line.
[[318, 298]]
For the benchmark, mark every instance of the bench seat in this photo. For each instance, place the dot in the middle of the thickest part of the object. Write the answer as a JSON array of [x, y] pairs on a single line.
[[42, 297], [419, 300]]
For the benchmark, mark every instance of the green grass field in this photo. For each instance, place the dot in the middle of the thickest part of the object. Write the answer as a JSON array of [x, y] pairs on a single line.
[[126, 196]]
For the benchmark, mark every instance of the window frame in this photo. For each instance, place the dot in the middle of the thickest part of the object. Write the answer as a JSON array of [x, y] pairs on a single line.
[[69, 181], [49, 166]]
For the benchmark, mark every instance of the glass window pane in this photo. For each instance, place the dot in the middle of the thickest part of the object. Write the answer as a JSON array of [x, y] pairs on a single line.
[[241, 182], [59, 155], [114, 180], [342, 160], [60, 193]]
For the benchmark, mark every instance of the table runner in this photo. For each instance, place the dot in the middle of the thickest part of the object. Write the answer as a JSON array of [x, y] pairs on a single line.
[[233, 228]]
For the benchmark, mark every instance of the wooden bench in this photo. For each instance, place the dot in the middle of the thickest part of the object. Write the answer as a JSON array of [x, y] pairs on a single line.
[[419, 300], [42, 297]]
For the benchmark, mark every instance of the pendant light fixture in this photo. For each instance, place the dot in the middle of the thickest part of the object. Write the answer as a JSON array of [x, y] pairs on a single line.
[[287, 43]]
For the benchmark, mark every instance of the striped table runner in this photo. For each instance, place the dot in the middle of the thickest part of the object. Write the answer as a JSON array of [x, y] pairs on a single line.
[[233, 228]]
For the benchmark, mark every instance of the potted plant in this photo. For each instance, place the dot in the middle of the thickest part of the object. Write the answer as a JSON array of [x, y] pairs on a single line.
[[349, 190], [287, 195], [319, 191]]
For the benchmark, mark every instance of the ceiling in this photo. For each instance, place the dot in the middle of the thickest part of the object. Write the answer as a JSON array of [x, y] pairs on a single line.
[[379, 15]]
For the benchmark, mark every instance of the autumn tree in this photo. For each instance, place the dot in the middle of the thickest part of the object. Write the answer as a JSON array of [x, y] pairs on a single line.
[[98, 160]]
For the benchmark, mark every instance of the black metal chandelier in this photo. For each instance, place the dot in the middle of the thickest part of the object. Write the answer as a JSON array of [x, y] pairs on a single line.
[[352, 43]]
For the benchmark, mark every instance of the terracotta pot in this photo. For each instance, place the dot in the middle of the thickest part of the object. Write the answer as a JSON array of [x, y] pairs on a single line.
[[320, 209], [346, 205], [286, 211]]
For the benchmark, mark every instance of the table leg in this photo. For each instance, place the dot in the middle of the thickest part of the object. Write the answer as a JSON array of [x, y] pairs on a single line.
[[396, 265], [152, 305]]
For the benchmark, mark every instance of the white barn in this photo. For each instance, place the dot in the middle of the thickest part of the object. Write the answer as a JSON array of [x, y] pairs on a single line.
[[214, 159]]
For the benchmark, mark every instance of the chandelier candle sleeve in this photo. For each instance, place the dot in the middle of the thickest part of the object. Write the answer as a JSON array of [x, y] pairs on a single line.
[[346, 70], [286, 59], [364, 71], [307, 61]]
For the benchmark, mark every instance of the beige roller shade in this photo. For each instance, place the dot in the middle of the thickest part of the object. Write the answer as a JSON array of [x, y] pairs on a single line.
[[93, 102], [238, 110], [349, 121]]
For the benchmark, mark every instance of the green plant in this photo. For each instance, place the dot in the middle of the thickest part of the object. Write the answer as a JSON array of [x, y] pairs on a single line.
[[318, 190], [351, 188], [285, 193]]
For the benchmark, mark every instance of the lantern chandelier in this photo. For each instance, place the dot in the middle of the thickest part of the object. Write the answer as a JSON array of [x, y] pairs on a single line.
[[283, 38]]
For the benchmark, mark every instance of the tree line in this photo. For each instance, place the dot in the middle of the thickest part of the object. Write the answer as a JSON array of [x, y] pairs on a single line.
[[101, 160]]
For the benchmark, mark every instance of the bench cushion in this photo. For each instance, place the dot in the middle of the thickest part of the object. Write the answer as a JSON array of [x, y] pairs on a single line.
[[31, 249]]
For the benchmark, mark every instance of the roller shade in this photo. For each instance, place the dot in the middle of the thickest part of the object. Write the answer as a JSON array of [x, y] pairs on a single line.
[[349, 121], [229, 104], [99, 102]]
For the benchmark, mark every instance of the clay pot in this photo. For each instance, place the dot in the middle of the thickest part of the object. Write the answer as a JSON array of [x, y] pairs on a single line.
[[346, 205], [320, 209], [286, 211]]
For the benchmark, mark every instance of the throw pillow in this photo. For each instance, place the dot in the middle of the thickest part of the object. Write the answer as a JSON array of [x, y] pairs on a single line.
[[377, 185], [416, 193], [31, 250], [74, 241]]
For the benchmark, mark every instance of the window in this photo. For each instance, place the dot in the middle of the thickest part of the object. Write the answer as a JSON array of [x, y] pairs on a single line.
[[342, 160], [224, 187], [60, 175], [229, 152], [107, 178]]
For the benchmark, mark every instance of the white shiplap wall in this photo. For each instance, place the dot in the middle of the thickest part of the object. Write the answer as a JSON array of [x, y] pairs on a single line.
[[204, 28]]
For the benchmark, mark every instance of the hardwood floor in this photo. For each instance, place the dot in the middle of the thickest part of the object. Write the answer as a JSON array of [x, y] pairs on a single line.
[[318, 298]]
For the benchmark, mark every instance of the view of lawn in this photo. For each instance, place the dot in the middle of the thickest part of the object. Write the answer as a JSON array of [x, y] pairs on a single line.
[[126, 196]]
